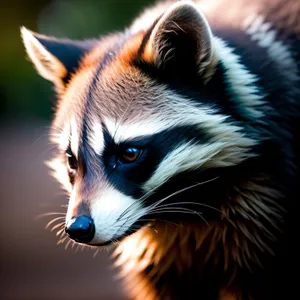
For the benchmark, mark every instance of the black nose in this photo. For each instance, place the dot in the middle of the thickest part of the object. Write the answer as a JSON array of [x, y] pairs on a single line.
[[81, 229]]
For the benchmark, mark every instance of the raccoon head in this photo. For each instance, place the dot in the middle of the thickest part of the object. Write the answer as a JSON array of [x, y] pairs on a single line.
[[142, 116]]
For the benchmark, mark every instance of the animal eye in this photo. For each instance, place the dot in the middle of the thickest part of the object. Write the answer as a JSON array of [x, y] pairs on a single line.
[[72, 161], [130, 154]]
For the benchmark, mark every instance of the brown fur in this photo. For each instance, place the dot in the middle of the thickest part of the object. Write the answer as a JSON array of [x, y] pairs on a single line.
[[233, 249], [234, 242]]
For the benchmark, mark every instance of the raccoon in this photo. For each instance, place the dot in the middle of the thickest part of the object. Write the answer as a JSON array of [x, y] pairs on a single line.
[[177, 140]]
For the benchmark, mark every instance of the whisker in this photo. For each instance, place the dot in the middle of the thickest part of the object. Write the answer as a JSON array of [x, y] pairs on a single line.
[[149, 220], [44, 136], [67, 244], [53, 221], [61, 232], [45, 151], [142, 199], [96, 253], [73, 244], [184, 189], [157, 204], [61, 241], [192, 203], [57, 226], [48, 214], [180, 211]]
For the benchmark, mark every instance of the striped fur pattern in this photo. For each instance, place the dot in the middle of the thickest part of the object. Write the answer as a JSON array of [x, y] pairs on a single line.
[[208, 92]]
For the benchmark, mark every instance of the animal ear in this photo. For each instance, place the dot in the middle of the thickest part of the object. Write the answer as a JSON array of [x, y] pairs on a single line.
[[54, 59], [181, 40]]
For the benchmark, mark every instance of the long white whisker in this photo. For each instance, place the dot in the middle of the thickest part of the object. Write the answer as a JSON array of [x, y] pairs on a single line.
[[67, 244], [151, 207], [96, 252], [48, 214], [180, 211], [57, 226], [183, 190], [61, 232], [61, 241], [174, 209], [53, 221], [73, 244], [148, 194], [192, 203]]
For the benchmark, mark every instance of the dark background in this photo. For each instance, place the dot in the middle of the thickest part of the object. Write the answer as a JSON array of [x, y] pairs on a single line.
[[32, 266]]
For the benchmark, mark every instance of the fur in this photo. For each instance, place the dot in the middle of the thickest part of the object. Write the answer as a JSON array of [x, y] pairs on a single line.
[[208, 91]]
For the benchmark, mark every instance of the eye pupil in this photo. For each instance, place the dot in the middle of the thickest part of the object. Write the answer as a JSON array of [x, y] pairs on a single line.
[[130, 154], [72, 162]]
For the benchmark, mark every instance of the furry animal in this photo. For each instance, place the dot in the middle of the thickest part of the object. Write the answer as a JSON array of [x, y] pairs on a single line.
[[177, 139]]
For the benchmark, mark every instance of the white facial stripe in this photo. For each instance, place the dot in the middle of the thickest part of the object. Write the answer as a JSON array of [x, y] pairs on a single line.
[[69, 132], [241, 81], [123, 132], [74, 137], [61, 137], [261, 32], [189, 156], [107, 209], [182, 113], [95, 137]]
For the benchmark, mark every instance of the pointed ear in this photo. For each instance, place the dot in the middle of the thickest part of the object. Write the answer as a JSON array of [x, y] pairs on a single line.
[[181, 40], [54, 59]]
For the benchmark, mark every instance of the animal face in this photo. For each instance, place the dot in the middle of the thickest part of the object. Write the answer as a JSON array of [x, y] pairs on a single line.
[[138, 120]]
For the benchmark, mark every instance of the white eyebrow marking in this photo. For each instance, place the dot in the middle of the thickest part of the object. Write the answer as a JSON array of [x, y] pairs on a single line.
[[181, 113], [74, 137], [95, 137], [123, 132]]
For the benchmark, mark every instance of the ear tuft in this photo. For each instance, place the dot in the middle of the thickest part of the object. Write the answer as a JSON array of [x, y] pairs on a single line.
[[54, 59], [181, 40], [46, 64]]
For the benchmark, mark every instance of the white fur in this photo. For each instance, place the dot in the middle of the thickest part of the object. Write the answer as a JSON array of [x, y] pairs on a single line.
[[74, 137], [241, 81], [188, 156], [60, 172], [38, 53], [261, 32], [227, 147], [106, 209], [173, 112], [62, 137], [95, 137]]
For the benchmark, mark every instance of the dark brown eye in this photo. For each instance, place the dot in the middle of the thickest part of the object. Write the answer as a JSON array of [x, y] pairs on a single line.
[[130, 154], [72, 165], [72, 161]]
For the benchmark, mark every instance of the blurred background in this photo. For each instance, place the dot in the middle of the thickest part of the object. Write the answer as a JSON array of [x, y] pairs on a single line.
[[32, 266]]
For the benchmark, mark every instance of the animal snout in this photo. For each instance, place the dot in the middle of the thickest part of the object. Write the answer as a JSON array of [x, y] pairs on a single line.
[[81, 229]]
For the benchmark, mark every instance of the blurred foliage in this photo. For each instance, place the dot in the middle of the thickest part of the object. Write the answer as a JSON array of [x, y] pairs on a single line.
[[23, 93]]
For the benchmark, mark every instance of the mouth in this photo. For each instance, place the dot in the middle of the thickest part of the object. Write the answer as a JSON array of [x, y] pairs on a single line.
[[117, 239]]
